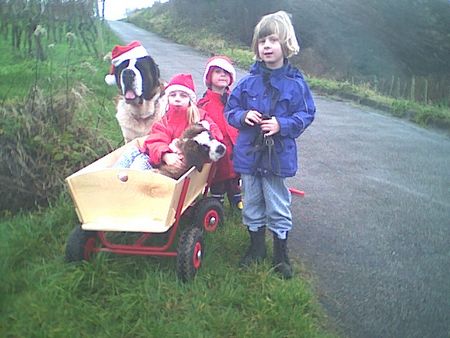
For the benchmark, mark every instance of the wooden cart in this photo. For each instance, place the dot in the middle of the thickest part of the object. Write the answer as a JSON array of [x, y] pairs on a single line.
[[146, 203]]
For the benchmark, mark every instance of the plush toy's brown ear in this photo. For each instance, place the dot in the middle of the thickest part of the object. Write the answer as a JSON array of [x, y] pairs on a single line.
[[193, 131], [202, 158], [194, 154], [199, 167]]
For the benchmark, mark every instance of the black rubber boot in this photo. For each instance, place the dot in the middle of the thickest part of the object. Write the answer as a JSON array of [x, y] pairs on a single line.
[[280, 257], [256, 252]]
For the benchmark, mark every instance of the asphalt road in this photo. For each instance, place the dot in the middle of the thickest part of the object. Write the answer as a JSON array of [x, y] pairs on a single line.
[[374, 226]]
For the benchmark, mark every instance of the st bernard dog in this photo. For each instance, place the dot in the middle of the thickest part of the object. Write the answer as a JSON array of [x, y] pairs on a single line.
[[141, 100]]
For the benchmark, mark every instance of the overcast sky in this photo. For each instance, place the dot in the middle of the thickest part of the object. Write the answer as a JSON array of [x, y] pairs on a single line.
[[116, 9]]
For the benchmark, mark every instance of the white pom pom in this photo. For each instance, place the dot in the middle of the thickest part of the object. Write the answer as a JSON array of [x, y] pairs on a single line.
[[110, 79]]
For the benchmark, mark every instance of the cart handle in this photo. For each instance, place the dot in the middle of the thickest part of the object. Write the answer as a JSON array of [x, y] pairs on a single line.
[[297, 192]]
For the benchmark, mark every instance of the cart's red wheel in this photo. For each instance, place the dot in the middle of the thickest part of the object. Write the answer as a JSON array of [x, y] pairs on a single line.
[[80, 245], [211, 220], [189, 253], [209, 214], [197, 256]]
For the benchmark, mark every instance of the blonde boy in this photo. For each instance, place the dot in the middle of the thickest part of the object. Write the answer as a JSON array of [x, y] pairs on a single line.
[[271, 107]]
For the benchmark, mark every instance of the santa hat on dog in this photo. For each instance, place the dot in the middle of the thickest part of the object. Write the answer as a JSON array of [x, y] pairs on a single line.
[[184, 83], [119, 54], [220, 61]]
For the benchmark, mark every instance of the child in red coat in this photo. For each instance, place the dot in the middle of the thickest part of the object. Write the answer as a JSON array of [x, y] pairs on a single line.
[[218, 77], [182, 111]]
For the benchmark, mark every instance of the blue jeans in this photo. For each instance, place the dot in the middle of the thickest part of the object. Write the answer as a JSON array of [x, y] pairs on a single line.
[[133, 158], [267, 200]]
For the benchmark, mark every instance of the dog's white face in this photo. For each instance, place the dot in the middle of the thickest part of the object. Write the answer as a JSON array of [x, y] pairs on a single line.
[[131, 82], [137, 79], [216, 149]]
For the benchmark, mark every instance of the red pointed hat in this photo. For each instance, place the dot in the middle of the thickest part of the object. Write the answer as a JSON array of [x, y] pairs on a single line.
[[183, 82], [119, 54], [220, 61]]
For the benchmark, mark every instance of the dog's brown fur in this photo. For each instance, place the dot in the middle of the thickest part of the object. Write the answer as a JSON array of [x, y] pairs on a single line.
[[194, 154], [136, 120]]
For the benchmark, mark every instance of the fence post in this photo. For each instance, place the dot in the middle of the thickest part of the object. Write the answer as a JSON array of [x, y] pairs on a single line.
[[412, 94], [425, 94], [398, 88], [391, 87]]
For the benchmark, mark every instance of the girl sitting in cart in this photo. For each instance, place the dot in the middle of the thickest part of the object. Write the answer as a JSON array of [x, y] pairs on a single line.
[[181, 112]]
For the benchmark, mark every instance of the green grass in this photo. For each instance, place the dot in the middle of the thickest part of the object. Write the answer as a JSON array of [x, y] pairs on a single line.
[[132, 296], [129, 296], [437, 116]]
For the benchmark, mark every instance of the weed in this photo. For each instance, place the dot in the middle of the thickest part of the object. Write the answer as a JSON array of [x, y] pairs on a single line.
[[42, 143]]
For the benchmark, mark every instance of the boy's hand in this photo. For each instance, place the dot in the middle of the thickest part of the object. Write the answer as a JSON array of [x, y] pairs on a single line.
[[253, 117], [270, 126]]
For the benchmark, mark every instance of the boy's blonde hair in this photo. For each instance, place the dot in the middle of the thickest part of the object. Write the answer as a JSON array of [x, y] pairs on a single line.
[[278, 23]]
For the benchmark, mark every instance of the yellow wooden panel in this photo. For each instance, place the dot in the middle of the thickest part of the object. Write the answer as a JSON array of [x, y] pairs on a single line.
[[143, 202], [102, 197]]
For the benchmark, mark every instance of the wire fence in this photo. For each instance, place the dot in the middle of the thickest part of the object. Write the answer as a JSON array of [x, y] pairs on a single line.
[[428, 90]]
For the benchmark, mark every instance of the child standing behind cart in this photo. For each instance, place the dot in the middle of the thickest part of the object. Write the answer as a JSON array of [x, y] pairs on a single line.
[[218, 77], [181, 112]]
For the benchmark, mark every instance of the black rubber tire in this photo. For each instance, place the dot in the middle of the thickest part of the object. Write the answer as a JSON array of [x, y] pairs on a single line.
[[189, 253], [80, 244], [209, 214]]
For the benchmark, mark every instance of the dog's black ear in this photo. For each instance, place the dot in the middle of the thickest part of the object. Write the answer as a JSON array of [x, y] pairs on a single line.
[[150, 71], [155, 71], [154, 68]]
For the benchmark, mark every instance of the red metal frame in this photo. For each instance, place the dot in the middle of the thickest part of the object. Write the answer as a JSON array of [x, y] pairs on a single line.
[[138, 247], [212, 173]]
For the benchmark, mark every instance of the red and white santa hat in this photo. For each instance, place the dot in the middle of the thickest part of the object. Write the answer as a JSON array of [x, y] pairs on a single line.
[[220, 61], [183, 82], [119, 54]]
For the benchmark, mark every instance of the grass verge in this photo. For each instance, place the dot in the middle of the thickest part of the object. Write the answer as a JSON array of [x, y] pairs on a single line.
[[67, 64], [129, 296]]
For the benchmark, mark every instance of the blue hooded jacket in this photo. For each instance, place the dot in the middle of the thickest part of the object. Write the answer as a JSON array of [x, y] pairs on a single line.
[[282, 93]]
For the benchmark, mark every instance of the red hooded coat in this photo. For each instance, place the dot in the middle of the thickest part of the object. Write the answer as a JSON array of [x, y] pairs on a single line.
[[212, 103]]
